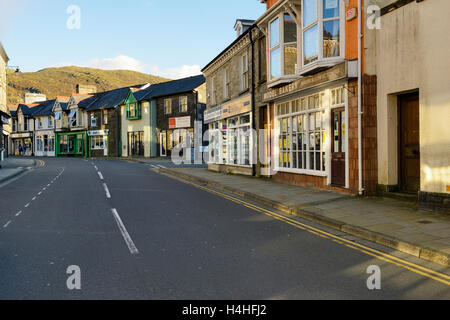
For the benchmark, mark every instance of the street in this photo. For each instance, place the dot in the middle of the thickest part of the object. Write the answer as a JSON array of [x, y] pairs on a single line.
[[137, 234]]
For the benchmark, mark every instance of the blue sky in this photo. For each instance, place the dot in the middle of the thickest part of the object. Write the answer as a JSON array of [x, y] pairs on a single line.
[[170, 38]]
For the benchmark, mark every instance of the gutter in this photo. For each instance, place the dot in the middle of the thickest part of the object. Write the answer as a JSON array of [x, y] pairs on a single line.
[[252, 42]]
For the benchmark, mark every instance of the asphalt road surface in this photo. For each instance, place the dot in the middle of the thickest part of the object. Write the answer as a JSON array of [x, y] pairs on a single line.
[[133, 233]]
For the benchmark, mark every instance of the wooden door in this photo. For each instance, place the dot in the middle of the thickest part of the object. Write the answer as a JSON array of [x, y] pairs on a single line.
[[338, 148], [409, 143]]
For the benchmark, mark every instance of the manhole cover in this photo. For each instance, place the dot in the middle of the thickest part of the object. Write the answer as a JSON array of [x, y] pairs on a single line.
[[425, 221]]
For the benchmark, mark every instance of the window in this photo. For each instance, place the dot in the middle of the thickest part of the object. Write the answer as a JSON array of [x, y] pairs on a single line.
[[73, 118], [301, 138], [213, 93], [39, 144], [58, 120], [97, 143], [227, 83], [262, 60], [230, 141], [133, 111], [25, 124], [40, 123], [50, 122], [244, 76], [51, 143], [167, 106], [93, 121], [183, 104], [283, 46], [14, 123], [79, 118], [105, 116], [321, 30]]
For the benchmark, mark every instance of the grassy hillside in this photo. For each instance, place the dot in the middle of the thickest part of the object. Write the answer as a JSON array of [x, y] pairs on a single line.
[[62, 81]]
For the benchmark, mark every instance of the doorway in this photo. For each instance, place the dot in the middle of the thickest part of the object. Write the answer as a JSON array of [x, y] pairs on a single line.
[[338, 147], [409, 143]]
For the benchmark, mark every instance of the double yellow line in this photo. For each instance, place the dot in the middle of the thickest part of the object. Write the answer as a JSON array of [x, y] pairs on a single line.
[[429, 273]]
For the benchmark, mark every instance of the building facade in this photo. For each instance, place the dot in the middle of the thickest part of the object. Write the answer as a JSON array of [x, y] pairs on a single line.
[[44, 130], [5, 128], [23, 125], [234, 82], [407, 58]]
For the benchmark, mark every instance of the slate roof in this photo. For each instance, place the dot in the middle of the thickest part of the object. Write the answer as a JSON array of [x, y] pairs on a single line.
[[45, 108], [28, 109], [109, 99], [170, 88]]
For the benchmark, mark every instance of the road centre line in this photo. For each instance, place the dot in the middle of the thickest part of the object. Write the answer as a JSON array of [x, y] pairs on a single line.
[[429, 273], [108, 195], [124, 232], [100, 175], [18, 213], [7, 224]]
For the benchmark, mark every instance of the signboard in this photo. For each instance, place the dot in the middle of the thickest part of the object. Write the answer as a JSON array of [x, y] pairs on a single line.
[[21, 135], [182, 122], [98, 133], [213, 114], [237, 106]]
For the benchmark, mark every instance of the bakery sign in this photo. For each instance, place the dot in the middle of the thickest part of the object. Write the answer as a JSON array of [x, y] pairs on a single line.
[[181, 122]]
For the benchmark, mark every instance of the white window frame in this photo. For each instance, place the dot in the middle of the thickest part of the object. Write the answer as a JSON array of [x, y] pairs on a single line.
[[319, 22], [93, 121], [50, 122], [281, 46], [94, 143], [324, 108], [244, 71]]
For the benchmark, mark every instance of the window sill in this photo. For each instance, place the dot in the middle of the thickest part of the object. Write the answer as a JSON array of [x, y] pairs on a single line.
[[244, 91], [282, 81], [319, 65]]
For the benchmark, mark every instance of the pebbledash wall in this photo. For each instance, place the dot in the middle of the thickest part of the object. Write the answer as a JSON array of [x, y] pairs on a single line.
[[410, 54]]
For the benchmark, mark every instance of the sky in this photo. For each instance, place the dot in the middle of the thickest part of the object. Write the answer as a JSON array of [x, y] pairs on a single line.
[[169, 38]]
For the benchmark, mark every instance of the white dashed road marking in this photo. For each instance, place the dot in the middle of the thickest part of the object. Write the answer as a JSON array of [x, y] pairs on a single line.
[[7, 224], [124, 233], [108, 195], [18, 213], [100, 175]]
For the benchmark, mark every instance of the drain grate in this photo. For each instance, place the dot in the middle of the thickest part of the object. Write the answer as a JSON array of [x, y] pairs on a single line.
[[424, 221]]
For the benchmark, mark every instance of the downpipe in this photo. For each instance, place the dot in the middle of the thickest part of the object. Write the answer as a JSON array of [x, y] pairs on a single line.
[[360, 113]]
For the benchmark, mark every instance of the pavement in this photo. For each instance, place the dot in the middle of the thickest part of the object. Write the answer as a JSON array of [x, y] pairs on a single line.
[[389, 222], [13, 166], [134, 233]]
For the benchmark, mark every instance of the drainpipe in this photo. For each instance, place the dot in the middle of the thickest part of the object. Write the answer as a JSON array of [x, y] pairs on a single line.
[[253, 100], [360, 171]]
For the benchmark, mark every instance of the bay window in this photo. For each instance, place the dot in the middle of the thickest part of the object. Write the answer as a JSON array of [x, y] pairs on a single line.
[[321, 30], [283, 46]]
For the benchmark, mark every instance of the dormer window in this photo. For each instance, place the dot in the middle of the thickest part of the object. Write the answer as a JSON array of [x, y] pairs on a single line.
[[283, 46]]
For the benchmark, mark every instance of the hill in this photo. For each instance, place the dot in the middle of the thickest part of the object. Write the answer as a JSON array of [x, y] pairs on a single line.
[[62, 81]]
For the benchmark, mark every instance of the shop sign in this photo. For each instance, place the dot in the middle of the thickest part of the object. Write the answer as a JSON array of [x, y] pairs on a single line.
[[213, 114], [237, 106], [21, 135], [182, 122], [98, 133]]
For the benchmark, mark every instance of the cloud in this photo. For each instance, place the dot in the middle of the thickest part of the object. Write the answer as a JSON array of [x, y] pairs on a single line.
[[176, 72], [123, 62]]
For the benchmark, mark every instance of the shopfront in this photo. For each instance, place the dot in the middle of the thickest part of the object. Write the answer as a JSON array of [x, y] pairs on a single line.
[[180, 129], [231, 142], [72, 144], [45, 144], [22, 144], [98, 143], [311, 138]]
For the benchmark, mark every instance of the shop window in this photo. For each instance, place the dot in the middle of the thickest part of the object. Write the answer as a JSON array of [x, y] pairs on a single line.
[[301, 138], [97, 143]]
